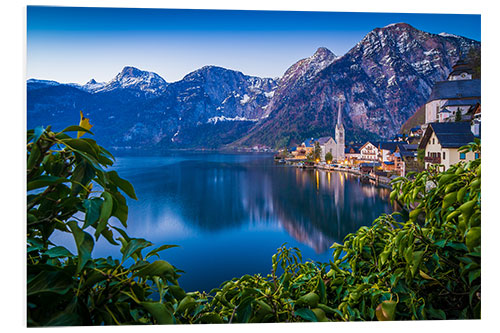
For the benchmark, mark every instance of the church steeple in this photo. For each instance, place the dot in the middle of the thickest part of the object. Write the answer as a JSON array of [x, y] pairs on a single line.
[[340, 133]]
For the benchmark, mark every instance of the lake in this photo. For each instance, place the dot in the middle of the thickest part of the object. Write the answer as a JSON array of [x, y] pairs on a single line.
[[230, 212]]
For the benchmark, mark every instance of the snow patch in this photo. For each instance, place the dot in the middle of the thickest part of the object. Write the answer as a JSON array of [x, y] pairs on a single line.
[[245, 99], [215, 120]]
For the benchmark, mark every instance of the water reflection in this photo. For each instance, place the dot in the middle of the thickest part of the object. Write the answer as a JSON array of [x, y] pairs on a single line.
[[182, 197]]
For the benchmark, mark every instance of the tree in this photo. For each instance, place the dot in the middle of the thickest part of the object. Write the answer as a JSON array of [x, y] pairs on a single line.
[[317, 151], [474, 59], [328, 157], [458, 115]]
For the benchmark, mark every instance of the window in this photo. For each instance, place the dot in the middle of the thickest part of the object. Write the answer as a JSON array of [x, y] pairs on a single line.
[[462, 156], [444, 155], [476, 156]]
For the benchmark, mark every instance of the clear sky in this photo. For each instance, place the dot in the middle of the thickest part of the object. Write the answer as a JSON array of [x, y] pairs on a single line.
[[71, 44]]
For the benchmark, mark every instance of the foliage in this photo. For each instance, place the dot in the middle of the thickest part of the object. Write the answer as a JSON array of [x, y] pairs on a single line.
[[316, 151], [328, 156], [69, 190], [474, 59], [458, 115], [421, 263]]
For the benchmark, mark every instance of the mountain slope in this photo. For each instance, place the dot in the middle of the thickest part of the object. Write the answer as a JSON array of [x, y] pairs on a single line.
[[384, 78]]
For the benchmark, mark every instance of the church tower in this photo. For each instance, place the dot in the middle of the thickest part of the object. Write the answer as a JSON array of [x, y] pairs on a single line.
[[340, 134]]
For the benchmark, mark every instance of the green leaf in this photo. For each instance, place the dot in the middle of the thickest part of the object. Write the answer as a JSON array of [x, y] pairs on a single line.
[[177, 292], [306, 314], [159, 268], [417, 259], [105, 214], [133, 246], [120, 208], [244, 309], [33, 157], [55, 282], [386, 311], [58, 251], [473, 275], [76, 128], [159, 312], [82, 175], [93, 209], [210, 318], [322, 291], [108, 234], [84, 244], [187, 303], [122, 184], [81, 146], [161, 248], [44, 180]]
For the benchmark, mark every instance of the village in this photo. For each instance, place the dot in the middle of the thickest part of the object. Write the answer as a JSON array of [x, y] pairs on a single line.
[[452, 120]]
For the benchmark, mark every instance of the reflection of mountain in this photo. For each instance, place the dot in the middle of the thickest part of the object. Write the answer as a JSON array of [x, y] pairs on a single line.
[[218, 192]]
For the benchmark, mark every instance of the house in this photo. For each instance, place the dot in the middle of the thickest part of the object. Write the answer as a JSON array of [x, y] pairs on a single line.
[[415, 132], [368, 152], [405, 158], [441, 142], [386, 157], [476, 120], [457, 94], [352, 154]]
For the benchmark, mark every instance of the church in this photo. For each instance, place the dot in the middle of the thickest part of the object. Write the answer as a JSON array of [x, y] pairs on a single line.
[[327, 144]]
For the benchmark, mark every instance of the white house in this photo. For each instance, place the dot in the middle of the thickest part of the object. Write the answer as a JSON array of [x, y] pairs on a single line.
[[458, 94], [368, 152], [441, 142]]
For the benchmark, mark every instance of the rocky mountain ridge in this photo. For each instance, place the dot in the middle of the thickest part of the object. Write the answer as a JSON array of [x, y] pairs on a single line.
[[384, 79]]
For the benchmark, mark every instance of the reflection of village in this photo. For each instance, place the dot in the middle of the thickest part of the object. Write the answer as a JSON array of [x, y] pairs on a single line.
[[452, 120], [315, 207], [343, 203]]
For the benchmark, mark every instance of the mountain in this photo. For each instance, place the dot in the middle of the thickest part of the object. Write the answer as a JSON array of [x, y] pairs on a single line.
[[384, 79], [138, 109]]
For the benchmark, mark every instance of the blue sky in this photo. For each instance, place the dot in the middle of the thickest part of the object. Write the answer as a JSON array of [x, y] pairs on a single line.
[[71, 44]]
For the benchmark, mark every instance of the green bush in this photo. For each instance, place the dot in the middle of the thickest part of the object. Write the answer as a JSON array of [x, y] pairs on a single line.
[[421, 263]]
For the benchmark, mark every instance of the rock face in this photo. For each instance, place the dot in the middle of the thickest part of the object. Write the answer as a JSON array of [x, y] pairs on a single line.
[[138, 109], [383, 79]]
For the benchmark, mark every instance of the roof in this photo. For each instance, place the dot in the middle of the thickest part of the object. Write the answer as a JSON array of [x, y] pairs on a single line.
[[450, 135], [347, 149], [324, 140], [461, 66], [309, 142], [458, 89], [368, 142], [388, 145], [462, 102]]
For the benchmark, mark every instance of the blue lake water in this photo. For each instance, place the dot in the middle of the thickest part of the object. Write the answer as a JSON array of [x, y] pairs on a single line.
[[230, 212]]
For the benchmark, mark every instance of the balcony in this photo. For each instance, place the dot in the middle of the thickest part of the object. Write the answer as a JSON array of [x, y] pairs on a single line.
[[433, 159]]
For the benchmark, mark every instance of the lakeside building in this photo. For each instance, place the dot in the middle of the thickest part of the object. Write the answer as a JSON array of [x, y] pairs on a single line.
[[405, 158], [441, 142], [458, 94], [368, 152], [327, 144]]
